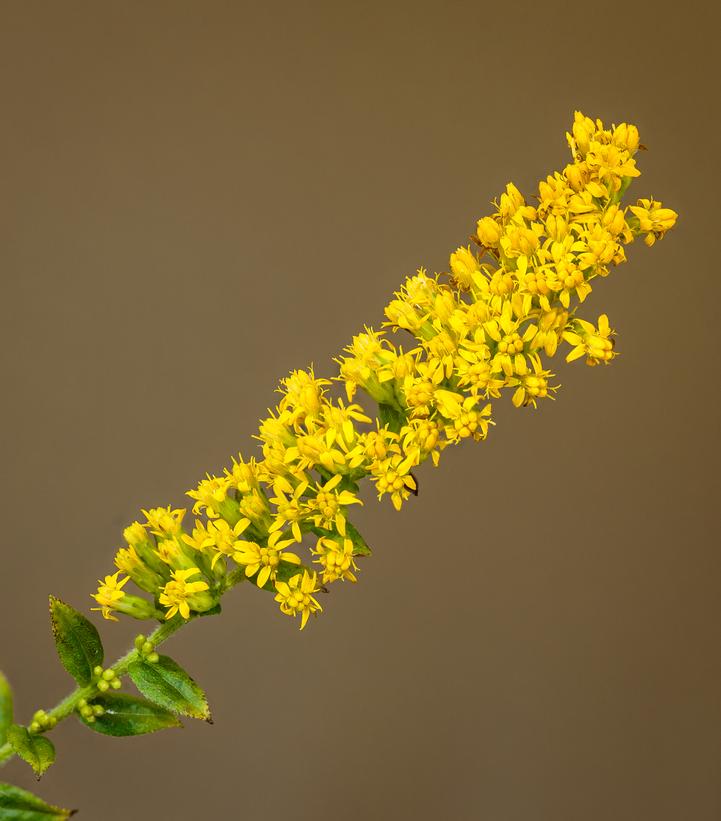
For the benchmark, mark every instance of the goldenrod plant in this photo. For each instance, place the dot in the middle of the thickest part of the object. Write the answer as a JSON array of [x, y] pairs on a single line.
[[282, 522]]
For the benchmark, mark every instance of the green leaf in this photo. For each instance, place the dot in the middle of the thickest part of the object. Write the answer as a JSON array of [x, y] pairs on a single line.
[[392, 417], [166, 684], [129, 715], [360, 546], [35, 750], [77, 641], [21, 805], [284, 572], [6, 708]]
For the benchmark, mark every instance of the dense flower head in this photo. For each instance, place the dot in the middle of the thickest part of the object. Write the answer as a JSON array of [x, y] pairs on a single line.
[[508, 304]]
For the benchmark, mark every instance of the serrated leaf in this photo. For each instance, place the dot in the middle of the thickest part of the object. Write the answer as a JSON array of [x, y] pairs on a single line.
[[21, 805], [129, 715], [166, 683], [35, 750], [6, 708], [77, 641]]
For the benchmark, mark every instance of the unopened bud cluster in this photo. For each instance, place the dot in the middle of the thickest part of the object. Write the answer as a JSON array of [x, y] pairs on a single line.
[[489, 326], [41, 722], [146, 649], [89, 711], [106, 679]]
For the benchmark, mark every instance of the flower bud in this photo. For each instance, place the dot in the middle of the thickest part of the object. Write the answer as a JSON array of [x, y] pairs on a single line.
[[463, 265], [488, 232], [128, 560], [135, 607], [574, 177]]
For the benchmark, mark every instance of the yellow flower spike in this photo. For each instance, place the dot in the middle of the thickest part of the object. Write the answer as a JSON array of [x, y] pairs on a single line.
[[487, 327]]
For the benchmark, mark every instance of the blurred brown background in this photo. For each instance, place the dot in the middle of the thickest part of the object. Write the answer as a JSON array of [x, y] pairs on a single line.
[[197, 198]]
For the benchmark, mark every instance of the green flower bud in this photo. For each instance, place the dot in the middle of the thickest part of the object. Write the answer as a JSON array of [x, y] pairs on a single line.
[[136, 607]]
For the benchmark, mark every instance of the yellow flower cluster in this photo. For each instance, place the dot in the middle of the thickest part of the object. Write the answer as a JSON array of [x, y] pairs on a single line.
[[490, 324]]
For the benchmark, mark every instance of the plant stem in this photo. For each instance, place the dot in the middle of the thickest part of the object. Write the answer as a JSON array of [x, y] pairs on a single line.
[[68, 705]]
